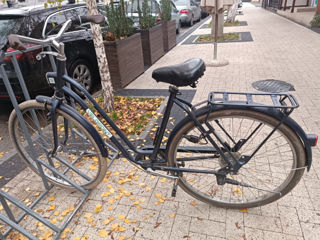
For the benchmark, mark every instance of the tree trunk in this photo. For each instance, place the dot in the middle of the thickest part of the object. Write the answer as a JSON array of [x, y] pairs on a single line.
[[318, 8], [220, 24], [107, 89]]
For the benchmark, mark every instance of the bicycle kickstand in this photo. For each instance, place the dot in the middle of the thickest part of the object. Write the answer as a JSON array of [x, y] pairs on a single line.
[[175, 187]]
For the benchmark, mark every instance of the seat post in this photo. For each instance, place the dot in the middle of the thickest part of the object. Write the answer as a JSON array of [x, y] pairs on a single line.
[[173, 93]]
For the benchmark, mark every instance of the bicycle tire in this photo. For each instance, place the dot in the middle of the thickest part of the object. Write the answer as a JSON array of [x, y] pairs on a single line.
[[80, 146], [205, 188]]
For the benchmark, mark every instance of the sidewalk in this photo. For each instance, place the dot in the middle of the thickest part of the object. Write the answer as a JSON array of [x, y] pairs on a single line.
[[280, 50]]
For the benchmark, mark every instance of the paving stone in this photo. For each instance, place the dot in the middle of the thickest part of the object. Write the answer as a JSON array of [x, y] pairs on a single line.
[[280, 236], [200, 210], [253, 234], [209, 227], [180, 227], [290, 221], [311, 231], [234, 225], [309, 216], [263, 223], [217, 214]]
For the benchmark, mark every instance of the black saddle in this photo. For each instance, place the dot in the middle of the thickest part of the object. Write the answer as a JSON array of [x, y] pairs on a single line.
[[183, 74]]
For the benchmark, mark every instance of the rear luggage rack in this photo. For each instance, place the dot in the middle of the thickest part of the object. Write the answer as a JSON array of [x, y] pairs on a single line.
[[284, 101]]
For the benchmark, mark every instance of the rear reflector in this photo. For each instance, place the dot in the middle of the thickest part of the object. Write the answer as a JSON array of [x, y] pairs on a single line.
[[184, 10], [312, 139]]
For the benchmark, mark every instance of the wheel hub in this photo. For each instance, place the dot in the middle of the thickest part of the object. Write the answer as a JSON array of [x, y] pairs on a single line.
[[223, 163]]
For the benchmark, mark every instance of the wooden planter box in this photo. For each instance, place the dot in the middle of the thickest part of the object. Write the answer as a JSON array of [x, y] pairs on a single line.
[[169, 35], [125, 60], [152, 44]]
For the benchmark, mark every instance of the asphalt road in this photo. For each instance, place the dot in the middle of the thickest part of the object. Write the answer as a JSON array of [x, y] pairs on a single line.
[[6, 108]]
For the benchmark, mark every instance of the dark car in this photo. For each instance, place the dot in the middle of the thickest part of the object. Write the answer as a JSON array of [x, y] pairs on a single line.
[[203, 13], [40, 22]]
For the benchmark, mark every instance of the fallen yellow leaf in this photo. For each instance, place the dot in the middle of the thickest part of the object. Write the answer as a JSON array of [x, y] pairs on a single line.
[[115, 226], [87, 215], [244, 210], [127, 220], [51, 198], [121, 217], [171, 215], [193, 203], [105, 194], [46, 235], [237, 190], [51, 208], [103, 233], [98, 208]]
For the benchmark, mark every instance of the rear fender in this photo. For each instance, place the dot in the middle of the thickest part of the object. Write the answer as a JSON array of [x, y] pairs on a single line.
[[69, 110], [268, 111]]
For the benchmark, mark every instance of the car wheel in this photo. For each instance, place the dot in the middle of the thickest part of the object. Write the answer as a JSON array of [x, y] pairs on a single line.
[[82, 72], [179, 26]]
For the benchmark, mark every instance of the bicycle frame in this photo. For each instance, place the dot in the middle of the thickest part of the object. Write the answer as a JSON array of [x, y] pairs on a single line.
[[61, 90], [154, 164]]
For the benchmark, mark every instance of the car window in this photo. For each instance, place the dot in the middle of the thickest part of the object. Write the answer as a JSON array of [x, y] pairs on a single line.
[[9, 26], [56, 20], [133, 7], [181, 2], [173, 8]]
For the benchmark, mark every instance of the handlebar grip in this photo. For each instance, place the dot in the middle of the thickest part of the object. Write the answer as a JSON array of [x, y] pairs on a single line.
[[15, 42], [97, 19]]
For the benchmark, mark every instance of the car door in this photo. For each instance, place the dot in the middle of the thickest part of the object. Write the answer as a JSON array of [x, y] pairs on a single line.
[[175, 14], [196, 10]]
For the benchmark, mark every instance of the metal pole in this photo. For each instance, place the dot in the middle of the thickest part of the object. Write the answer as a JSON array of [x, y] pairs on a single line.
[[22, 123], [215, 43]]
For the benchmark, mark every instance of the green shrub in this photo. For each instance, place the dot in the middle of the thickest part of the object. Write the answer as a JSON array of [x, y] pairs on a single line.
[[165, 10], [146, 19], [315, 21], [120, 26]]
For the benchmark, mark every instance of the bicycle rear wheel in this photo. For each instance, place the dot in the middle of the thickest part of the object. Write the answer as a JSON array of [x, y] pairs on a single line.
[[273, 171], [78, 156]]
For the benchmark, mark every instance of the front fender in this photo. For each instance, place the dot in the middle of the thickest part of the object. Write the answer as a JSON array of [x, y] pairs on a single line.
[[69, 110]]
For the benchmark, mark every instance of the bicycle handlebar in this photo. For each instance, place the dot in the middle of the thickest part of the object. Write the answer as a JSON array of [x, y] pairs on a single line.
[[16, 41]]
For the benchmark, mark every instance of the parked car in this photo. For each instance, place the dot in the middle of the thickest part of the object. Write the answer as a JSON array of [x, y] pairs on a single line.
[[190, 11], [132, 12], [40, 22], [203, 13]]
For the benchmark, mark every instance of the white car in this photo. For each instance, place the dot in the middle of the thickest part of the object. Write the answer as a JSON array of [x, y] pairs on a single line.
[[190, 11], [155, 8]]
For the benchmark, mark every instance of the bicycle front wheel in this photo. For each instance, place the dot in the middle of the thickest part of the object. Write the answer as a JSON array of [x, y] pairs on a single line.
[[78, 157], [272, 172]]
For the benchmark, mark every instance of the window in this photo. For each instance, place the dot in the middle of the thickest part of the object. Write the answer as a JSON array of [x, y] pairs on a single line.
[[56, 20]]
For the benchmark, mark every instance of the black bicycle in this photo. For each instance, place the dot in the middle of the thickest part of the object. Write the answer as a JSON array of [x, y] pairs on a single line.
[[234, 150]]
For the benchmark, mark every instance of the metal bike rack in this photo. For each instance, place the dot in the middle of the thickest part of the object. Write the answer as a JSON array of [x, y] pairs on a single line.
[[5, 198]]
